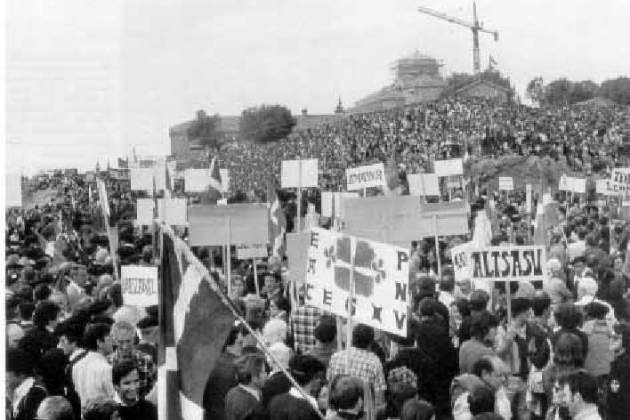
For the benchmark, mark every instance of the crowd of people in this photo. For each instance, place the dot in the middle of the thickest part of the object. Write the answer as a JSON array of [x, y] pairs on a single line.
[[559, 350]]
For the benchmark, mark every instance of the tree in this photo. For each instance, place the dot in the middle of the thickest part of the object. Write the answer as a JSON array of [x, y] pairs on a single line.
[[617, 90], [583, 91], [204, 130], [558, 92], [266, 123], [536, 90]]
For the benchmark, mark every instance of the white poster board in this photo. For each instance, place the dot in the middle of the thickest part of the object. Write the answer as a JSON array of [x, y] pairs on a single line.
[[365, 177], [462, 267], [528, 198], [14, 190], [506, 263], [139, 285], [172, 211], [196, 180], [578, 185], [225, 179], [332, 202], [290, 176], [565, 183], [423, 184], [506, 183], [248, 252], [142, 178], [380, 273], [144, 211], [448, 167]]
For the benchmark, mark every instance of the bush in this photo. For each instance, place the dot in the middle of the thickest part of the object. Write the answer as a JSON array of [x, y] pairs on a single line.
[[265, 124]]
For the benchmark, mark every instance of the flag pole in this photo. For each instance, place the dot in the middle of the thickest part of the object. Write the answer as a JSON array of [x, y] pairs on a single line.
[[437, 247], [350, 300], [228, 254], [299, 197], [256, 278]]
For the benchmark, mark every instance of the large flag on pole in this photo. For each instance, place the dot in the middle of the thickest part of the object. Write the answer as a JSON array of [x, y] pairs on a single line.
[[195, 320], [277, 222], [102, 198], [215, 176]]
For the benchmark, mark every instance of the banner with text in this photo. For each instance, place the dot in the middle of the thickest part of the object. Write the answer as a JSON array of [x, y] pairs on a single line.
[[139, 285], [506, 183], [380, 274], [251, 251], [365, 177], [506, 263], [299, 173], [448, 167]]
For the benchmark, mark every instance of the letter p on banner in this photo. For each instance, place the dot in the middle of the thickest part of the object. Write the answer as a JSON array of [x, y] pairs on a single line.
[[139, 285]]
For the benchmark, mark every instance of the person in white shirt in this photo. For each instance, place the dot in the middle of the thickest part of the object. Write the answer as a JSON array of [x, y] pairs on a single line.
[[92, 375], [577, 248], [579, 395]]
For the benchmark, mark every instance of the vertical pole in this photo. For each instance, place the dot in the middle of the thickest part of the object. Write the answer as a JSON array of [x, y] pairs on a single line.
[[350, 298], [256, 278], [228, 253], [299, 198], [437, 246], [508, 296]]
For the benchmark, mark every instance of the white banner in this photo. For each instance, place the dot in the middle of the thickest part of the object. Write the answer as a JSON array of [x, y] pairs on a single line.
[[423, 184], [248, 252], [448, 167], [14, 190], [290, 176], [365, 177], [565, 183], [513, 263], [142, 178], [528, 198], [196, 180], [462, 267], [380, 273], [139, 285], [506, 183], [332, 202], [225, 179], [172, 211], [144, 211], [578, 185]]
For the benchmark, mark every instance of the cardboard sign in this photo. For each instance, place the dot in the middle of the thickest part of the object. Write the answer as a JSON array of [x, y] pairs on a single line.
[[142, 178], [245, 224], [565, 183], [332, 202], [380, 274], [119, 174], [401, 219], [196, 180], [578, 185], [462, 267], [14, 190], [448, 167], [144, 211], [248, 252], [601, 186], [297, 252], [453, 182], [139, 285], [507, 263], [225, 179], [172, 211], [299, 173], [528, 198], [365, 177], [506, 183], [423, 184]]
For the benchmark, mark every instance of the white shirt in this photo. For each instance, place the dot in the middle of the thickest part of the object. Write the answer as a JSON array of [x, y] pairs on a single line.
[[589, 413], [92, 377]]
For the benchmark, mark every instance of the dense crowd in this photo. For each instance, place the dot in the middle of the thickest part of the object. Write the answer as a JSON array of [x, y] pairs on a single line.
[[559, 351]]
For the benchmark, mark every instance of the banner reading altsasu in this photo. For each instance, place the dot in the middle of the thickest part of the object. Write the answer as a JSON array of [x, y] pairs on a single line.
[[508, 263]]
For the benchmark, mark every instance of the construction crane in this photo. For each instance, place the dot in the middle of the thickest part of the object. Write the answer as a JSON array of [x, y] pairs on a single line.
[[475, 27]]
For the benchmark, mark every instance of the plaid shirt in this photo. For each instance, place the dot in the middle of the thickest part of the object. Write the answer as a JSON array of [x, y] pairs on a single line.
[[147, 370], [361, 363], [304, 319]]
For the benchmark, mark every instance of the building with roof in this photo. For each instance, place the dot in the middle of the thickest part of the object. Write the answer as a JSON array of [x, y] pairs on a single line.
[[486, 89], [417, 78]]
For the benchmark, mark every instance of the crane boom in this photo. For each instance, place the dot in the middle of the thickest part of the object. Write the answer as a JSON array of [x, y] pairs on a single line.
[[445, 17]]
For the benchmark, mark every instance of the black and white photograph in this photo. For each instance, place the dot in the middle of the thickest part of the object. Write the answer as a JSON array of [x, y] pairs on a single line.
[[316, 210]]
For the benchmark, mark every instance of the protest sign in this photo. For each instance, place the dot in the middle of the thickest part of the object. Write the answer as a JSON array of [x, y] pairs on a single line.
[[453, 182], [462, 267], [297, 250], [365, 177], [565, 183], [578, 185], [423, 184], [332, 202], [380, 274], [14, 190], [506, 183], [172, 211], [245, 224], [299, 173], [601, 186], [225, 179], [507, 263], [118, 174], [142, 178], [144, 211], [401, 219], [248, 252], [139, 285], [448, 167], [528, 198], [196, 180]]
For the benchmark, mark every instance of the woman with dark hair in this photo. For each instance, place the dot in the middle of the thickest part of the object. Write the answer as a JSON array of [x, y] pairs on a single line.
[[51, 370], [568, 355], [569, 318], [417, 410], [279, 308], [41, 338]]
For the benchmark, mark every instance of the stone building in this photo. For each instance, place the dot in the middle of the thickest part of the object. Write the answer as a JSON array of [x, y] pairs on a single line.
[[484, 89]]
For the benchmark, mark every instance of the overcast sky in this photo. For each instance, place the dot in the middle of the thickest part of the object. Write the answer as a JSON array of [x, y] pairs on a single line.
[[87, 79]]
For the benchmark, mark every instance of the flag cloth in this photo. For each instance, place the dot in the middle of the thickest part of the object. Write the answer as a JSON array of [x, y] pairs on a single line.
[[195, 322], [123, 163], [168, 189], [215, 176], [102, 197], [277, 222]]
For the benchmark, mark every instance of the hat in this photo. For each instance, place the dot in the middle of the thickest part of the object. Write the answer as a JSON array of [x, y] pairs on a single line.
[[401, 377]]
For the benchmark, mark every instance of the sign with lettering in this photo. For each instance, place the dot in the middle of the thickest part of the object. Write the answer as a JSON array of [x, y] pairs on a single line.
[[578, 185], [299, 173], [462, 267], [448, 167], [380, 274], [243, 223], [423, 184], [139, 285], [565, 183], [248, 252], [511, 263], [365, 177], [506, 183]]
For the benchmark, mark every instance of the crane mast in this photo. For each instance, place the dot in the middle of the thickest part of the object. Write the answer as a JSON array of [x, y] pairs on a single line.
[[475, 27]]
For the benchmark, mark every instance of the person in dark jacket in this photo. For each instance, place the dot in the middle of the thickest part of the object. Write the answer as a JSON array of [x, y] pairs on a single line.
[[127, 383], [619, 380]]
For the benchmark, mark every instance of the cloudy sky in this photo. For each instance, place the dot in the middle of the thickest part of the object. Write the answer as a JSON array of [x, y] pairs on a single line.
[[90, 79]]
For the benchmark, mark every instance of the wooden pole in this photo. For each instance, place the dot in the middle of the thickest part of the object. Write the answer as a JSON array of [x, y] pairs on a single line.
[[228, 253], [437, 246], [256, 278], [299, 198], [350, 299]]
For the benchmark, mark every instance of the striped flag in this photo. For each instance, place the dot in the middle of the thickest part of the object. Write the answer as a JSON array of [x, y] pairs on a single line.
[[195, 320], [277, 222]]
